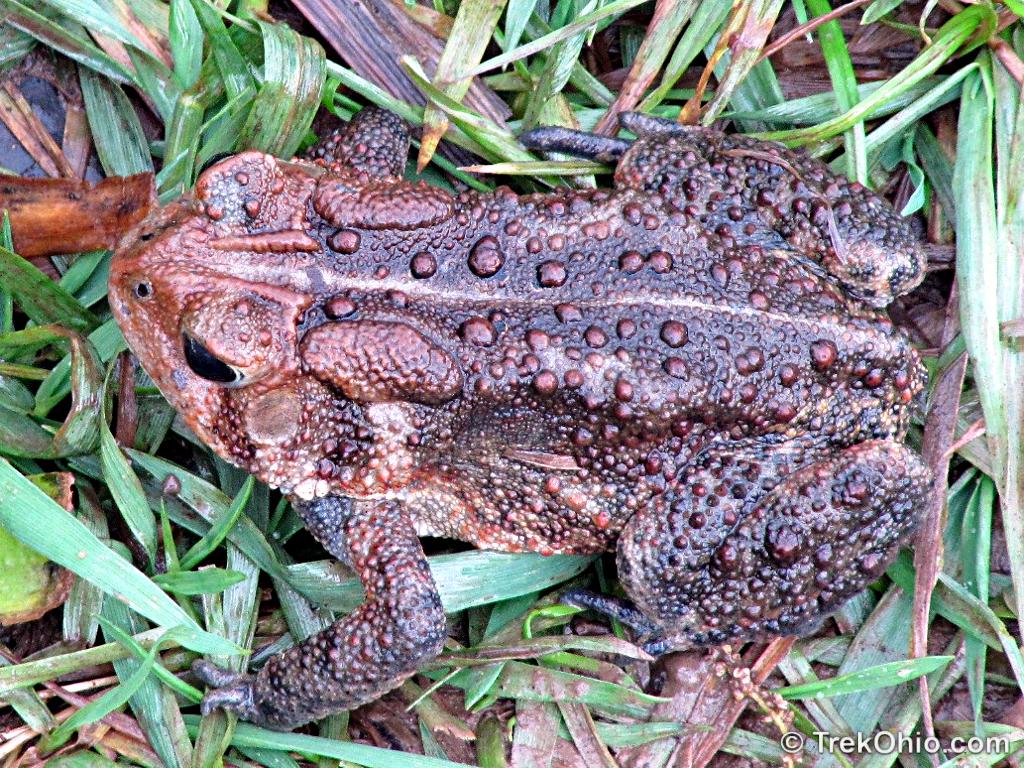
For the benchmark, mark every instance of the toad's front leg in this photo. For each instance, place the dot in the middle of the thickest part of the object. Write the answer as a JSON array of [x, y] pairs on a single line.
[[400, 625]]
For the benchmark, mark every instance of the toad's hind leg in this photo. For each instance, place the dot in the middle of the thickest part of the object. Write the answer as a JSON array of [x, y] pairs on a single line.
[[745, 567], [764, 193], [400, 625]]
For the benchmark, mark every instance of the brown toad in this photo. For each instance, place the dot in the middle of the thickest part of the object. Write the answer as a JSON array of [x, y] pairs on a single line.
[[691, 368]]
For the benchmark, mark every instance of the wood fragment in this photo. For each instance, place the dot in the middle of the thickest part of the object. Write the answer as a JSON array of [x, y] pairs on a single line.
[[51, 216]]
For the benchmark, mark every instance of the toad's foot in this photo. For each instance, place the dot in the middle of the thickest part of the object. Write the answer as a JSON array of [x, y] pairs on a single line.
[[603, 149], [374, 142], [399, 626], [747, 566], [232, 691], [615, 607], [779, 194]]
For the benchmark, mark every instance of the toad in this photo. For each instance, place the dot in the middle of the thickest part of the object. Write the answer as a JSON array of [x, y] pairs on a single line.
[[693, 368]]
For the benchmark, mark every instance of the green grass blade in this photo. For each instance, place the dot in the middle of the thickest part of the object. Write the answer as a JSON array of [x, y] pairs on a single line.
[[219, 530], [127, 491], [954, 36], [205, 582], [39, 297], [185, 36], [247, 735], [293, 78], [883, 675], [844, 86], [101, 707], [582, 24], [471, 32], [39, 522], [465, 580]]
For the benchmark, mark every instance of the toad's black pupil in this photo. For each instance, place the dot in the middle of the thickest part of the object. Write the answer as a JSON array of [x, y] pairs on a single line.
[[204, 364]]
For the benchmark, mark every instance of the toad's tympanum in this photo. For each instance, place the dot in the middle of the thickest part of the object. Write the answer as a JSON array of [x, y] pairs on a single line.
[[693, 368]]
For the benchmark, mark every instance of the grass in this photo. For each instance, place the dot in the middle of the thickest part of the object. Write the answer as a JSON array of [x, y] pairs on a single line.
[[170, 86]]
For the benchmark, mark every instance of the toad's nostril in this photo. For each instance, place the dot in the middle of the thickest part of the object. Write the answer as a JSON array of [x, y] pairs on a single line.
[[143, 290]]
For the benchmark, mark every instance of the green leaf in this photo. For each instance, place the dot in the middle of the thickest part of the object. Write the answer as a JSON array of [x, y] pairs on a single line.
[[96, 17], [234, 69], [465, 579], [26, 579], [219, 530], [517, 14], [878, 9], [81, 759], [69, 39], [186, 38], [39, 522], [127, 491], [79, 434], [248, 735], [293, 78], [39, 297], [470, 33], [99, 708], [844, 86], [116, 130], [106, 340], [212, 505], [205, 582], [957, 34], [881, 676], [583, 23]]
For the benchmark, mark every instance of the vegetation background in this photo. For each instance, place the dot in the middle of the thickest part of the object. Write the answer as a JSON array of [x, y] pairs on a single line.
[[180, 554]]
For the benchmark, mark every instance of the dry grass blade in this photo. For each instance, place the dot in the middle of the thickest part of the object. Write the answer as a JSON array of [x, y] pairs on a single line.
[[744, 41], [472, 30], [939, 432], [670, 16], [370, 35], [17, 115], [1009, 140]]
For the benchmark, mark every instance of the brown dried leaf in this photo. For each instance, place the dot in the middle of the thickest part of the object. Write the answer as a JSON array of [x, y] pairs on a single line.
[[16, 113]]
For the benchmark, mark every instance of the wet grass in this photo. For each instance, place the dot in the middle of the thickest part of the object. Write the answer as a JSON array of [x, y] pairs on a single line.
[[920, 101]]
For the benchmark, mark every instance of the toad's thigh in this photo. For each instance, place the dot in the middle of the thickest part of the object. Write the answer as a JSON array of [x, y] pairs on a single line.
[[817, 537]]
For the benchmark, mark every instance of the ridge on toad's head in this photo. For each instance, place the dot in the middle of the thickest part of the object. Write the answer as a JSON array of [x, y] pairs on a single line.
[[202, 293]]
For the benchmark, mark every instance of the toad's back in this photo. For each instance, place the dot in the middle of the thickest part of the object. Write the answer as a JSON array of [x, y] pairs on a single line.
[[635, 305]]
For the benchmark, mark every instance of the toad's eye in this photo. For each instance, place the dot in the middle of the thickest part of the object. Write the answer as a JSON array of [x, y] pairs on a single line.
[[205, 365], [143, 290]]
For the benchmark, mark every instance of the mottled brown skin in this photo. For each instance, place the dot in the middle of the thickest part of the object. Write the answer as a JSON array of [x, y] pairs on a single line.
[[692, 368]]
